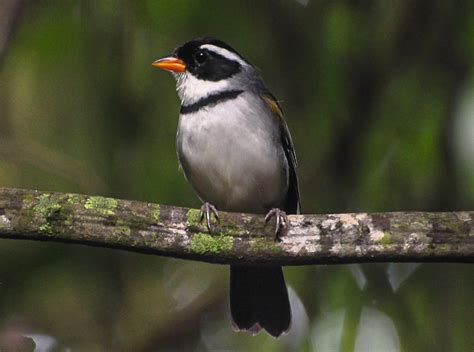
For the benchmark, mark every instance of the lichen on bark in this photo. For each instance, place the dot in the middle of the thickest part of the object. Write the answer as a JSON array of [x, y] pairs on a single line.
[[236, 238]]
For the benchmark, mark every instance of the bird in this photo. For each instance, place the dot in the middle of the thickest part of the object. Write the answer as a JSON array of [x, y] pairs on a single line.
[[236, 151]]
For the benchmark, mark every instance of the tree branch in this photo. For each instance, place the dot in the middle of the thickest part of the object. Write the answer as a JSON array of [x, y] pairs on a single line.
[[239, 238]]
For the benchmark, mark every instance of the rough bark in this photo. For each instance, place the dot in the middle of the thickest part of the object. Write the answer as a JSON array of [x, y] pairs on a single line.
[[238, 238]]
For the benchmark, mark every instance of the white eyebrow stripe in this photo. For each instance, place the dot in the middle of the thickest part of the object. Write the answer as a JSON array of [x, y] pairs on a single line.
[[225, 53]]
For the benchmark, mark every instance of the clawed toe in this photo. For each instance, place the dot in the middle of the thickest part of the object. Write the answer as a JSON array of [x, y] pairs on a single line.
[[281, 220], [206, 210]]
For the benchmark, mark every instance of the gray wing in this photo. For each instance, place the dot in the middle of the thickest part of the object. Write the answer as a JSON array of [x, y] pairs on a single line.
[[292, 202]]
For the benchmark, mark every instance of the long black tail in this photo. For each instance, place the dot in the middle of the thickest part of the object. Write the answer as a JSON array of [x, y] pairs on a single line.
[[259, 299]]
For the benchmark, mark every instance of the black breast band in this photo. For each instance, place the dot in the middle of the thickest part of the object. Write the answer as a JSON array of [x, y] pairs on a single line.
[[210, 100]]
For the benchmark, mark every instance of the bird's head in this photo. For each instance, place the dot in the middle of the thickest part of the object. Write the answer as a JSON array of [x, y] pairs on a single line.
[[204, 66]]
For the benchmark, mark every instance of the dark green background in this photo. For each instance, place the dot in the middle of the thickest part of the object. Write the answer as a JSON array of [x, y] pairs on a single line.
[[378, 95]]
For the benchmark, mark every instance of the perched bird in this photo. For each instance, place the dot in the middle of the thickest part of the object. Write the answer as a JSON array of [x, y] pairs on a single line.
[[235, 149]]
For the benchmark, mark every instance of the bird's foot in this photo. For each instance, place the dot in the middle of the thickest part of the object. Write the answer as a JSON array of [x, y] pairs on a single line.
[[281, 221], [206, 210]]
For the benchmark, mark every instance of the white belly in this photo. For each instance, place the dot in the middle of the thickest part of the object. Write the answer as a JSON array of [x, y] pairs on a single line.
[[234, 158]]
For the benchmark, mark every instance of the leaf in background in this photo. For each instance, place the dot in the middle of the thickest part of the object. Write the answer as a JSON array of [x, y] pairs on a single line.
[[359, 276], [399, 272], [376, 333], [327, 332]]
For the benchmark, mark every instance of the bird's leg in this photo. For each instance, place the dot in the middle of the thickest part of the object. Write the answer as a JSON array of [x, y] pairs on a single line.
[[206, 210], [281, 220]]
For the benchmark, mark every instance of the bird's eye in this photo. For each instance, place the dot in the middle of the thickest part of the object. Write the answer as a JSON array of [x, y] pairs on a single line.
[[200, 57]]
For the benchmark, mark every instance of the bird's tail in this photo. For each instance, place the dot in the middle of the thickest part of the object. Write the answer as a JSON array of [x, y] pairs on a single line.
[[259, 299]]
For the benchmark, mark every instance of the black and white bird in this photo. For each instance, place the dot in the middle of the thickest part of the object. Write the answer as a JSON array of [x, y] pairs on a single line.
[[235, 149]]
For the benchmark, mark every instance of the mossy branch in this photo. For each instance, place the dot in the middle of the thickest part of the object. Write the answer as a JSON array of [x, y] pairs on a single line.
[[238, 238]]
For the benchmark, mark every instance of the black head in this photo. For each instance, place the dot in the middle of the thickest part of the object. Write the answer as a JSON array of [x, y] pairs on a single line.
[[210, 59]]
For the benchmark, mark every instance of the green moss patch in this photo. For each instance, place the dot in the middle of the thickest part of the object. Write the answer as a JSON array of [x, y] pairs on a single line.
[[73, 199], [46, 228], [46, 206], [205, 243], [155, 213], [263, 244], [387, 238], [102, 205], [193, 217]]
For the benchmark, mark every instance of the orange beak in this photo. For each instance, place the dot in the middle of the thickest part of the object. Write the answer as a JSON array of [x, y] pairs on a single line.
[[170, 63]]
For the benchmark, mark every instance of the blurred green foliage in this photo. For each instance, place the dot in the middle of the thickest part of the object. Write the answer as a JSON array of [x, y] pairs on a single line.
[[378, 96]]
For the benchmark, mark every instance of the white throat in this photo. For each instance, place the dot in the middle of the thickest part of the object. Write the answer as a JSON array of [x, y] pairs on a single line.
[[191, 89]]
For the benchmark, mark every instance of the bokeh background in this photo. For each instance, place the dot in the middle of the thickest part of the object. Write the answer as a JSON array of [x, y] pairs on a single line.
[[379, 97]]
